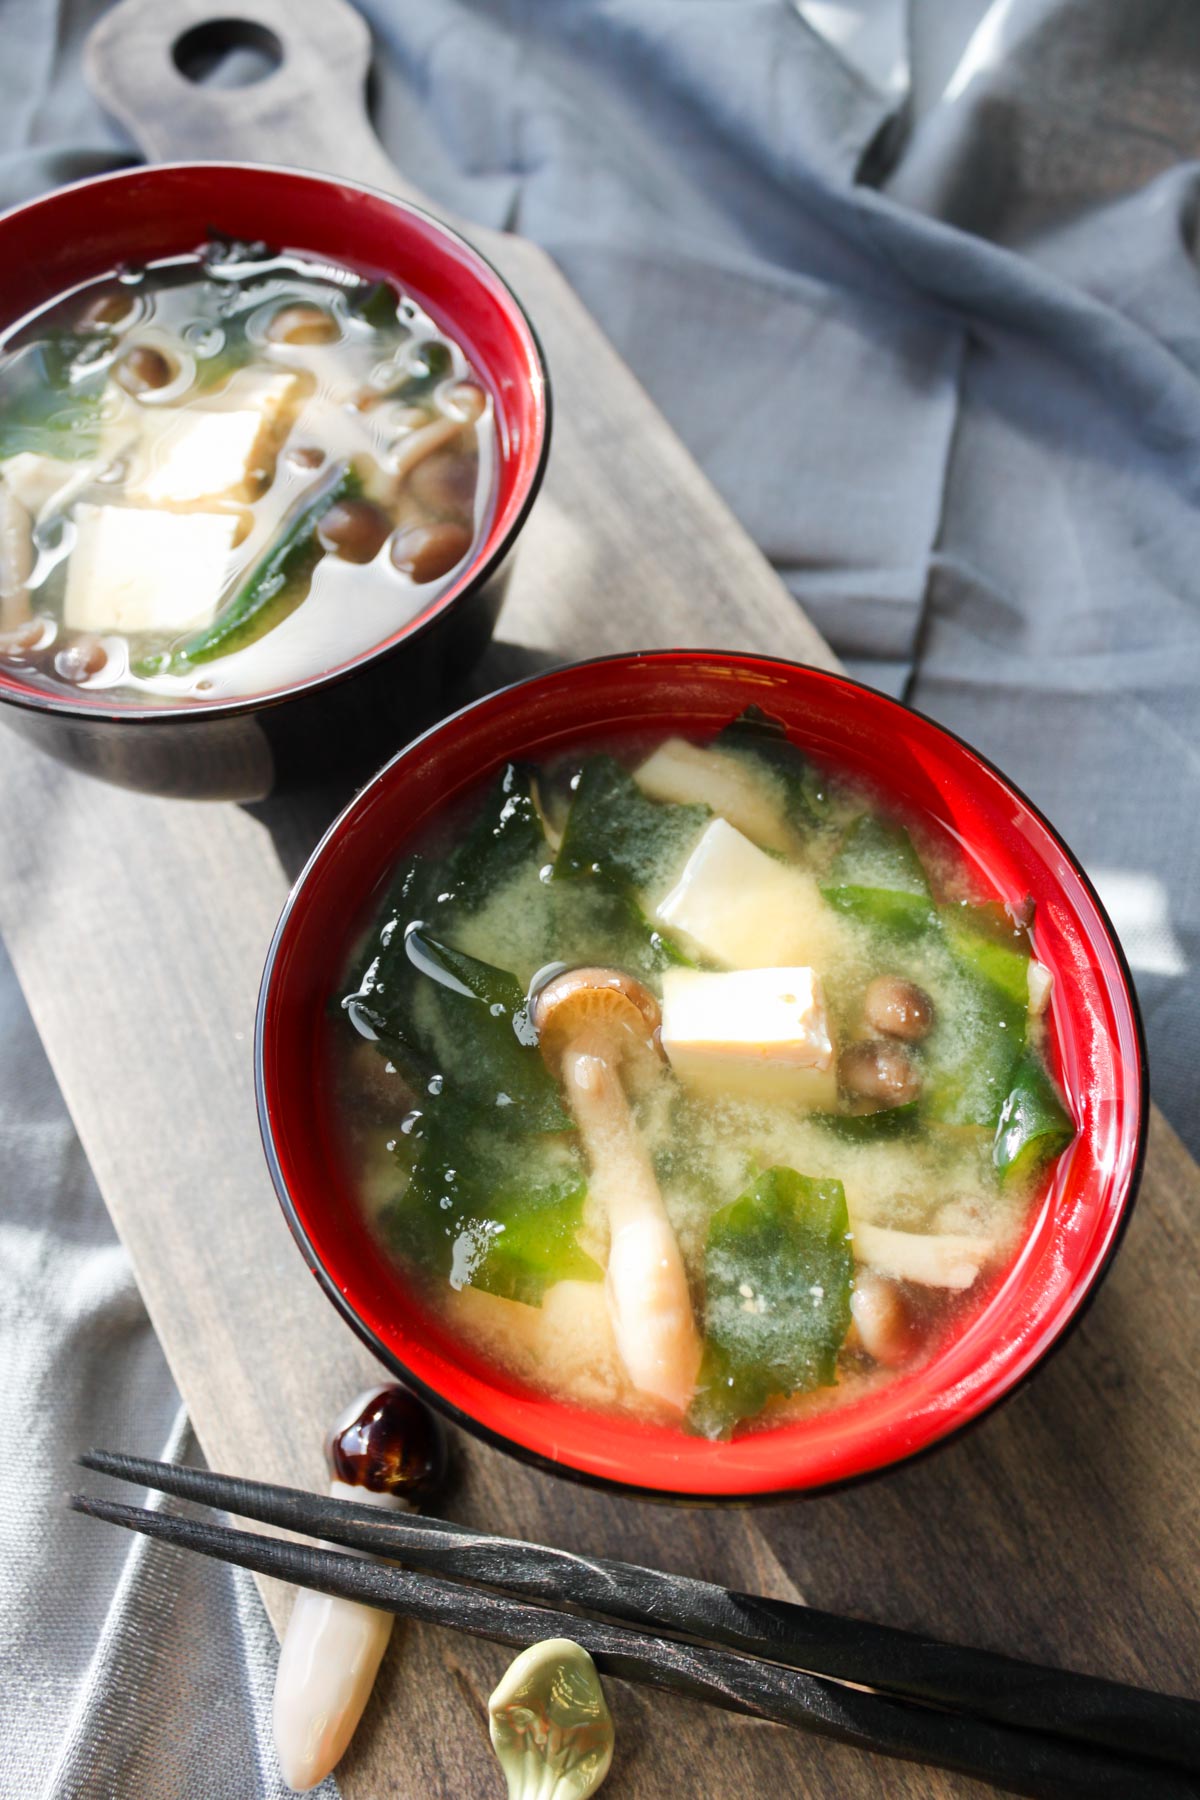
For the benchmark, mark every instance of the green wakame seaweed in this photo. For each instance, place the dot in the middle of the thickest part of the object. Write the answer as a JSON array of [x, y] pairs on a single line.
[[778, 1271]]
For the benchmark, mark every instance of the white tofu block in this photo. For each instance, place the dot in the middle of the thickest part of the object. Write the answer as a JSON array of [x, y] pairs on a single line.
[[736, 905], [134, 569], [36, 480], [201, 456], [271, 392], [757, 1034], [684, 773], [223, 449], [943, 1260], [276, 396]]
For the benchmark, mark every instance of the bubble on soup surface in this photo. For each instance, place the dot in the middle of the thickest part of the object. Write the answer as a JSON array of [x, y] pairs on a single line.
[[385, 374], [204, 338]]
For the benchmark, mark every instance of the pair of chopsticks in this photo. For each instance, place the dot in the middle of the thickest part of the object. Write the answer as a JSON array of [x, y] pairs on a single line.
[[1036, 1731]]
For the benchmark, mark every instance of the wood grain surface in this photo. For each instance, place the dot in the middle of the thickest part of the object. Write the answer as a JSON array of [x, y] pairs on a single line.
[[1064, 1527]]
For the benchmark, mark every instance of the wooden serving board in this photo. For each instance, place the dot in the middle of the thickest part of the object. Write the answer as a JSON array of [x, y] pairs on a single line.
[[1065, 1527]]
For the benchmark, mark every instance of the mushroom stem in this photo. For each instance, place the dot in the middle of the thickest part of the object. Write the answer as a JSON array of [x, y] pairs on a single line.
[[422, 443], [647, 1287], [588, 1021]]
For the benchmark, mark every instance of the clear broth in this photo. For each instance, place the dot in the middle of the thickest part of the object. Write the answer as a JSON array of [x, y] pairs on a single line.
[[385, 406]]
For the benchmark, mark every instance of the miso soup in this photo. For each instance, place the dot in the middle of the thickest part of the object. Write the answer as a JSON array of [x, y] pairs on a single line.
[[689, 1080], [228, 472]]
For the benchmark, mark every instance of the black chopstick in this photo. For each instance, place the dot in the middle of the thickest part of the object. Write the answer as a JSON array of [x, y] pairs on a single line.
[[1082, 1708], [1023, 1763]]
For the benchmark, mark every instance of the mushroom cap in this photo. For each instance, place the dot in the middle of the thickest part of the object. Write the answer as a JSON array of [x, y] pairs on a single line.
[[596, 1004]]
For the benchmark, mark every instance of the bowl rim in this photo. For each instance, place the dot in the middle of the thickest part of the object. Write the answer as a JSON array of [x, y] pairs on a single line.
[[238, 705], [1079, 1301]]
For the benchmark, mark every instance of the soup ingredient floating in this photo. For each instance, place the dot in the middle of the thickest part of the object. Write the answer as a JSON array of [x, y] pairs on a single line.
[[706, 1115], [589, 1022], [229, 472], [550, 1724], [386, 1450]]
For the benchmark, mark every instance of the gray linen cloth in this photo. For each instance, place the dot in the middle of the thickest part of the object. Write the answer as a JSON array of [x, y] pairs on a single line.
[[918, 287]]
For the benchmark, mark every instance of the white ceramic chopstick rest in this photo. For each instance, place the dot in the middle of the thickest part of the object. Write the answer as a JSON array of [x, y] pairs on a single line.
[[550, 1723], [386, 1450]]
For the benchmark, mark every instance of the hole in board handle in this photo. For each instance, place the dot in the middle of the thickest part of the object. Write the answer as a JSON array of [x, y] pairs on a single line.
[[227, 53]]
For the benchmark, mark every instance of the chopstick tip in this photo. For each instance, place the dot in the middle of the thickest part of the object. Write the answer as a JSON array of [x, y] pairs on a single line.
[[114, 1512], [102, 1462]]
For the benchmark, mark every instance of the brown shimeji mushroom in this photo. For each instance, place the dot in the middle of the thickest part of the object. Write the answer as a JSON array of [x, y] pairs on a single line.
[[387, 1449], [883, 1324], [590, 1022], [898, 1008], [303, 323]]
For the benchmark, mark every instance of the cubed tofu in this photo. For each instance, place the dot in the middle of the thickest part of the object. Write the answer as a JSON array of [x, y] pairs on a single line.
[[758, 1034], [136, 569], [274, 393], [736, 905], [191, 454], [685, 773], [198, 456], [36, 480]]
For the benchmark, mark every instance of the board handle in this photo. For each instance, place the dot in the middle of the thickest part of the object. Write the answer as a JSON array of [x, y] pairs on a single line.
[[307, 108]]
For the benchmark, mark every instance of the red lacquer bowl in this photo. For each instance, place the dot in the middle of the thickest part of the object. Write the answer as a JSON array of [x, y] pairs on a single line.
[[1096, 1047], [243, 748]]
